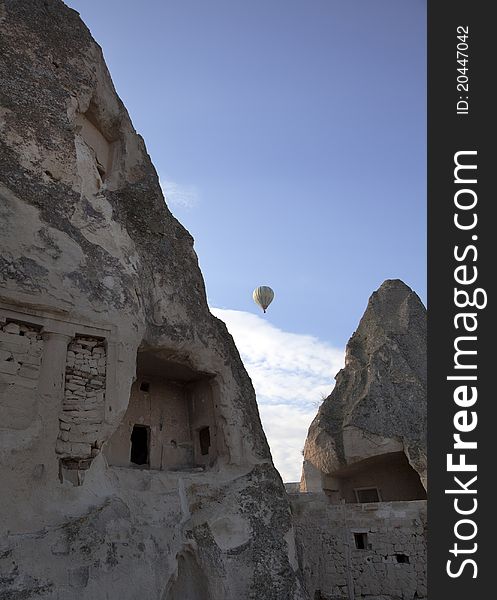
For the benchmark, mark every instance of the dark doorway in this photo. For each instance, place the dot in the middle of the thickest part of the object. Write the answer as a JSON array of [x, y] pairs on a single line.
[[204, 437], [140, 443]]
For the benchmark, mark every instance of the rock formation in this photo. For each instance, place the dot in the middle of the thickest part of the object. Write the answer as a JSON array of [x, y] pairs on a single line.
[[132, 458], [375, 418], [365, 462]]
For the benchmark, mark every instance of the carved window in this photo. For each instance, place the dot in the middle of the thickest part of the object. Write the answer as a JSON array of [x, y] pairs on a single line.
[[99, 146]]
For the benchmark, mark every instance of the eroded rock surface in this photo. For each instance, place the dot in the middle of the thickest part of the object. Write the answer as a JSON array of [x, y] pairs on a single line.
[[378, 405], [132, 457]]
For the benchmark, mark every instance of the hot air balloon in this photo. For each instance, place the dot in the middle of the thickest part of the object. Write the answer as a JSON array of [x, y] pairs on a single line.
[[263, 296]]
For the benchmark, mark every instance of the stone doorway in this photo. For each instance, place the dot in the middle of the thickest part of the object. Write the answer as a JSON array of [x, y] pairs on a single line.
[[140, 445]]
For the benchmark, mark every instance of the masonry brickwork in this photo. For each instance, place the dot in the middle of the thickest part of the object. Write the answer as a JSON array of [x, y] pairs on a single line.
[[390, 562]]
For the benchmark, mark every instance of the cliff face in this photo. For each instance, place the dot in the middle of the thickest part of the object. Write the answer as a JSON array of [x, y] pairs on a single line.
[[106, 339], [378, 405]]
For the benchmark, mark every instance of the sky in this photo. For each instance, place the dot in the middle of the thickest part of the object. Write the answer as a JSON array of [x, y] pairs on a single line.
[[290, 139]]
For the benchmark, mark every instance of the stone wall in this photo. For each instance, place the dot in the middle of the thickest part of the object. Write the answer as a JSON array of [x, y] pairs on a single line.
[[83, 406], [392, 564], [21, 348]]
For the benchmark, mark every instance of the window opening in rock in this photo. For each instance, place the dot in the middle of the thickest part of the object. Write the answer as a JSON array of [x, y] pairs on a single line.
[[367, 494], [402, 558], [140, 444], [145, 386], [361, 541], [204, 437], [100, 148]]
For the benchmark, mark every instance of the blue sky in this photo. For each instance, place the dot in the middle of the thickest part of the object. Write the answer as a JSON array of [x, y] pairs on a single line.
[[290, 139]]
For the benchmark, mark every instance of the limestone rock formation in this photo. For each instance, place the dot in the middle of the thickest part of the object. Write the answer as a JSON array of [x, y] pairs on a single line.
[[373, 424], [132, 458]]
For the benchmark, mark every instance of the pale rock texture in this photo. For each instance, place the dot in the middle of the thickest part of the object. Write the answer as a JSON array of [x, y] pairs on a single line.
[[378, 405], [100, 288], [361, 523]]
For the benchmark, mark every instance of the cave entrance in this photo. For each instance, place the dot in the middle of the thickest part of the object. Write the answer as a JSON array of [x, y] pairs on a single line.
[[140, 445], [170, 422], [383, 478]]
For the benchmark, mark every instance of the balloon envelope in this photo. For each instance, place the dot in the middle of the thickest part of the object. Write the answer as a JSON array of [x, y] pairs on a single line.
[[263, 296]]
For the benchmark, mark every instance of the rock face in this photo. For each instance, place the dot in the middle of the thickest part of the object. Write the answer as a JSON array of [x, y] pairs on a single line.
[[366, 450], [373, 424], [132, 458]]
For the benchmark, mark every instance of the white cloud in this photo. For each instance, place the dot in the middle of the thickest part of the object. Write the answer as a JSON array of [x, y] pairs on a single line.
[[286, 429], [291, 373], [179, 195]]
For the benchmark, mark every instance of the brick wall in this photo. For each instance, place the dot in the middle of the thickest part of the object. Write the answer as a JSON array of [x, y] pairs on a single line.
[[84, 401], [21, 348]]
